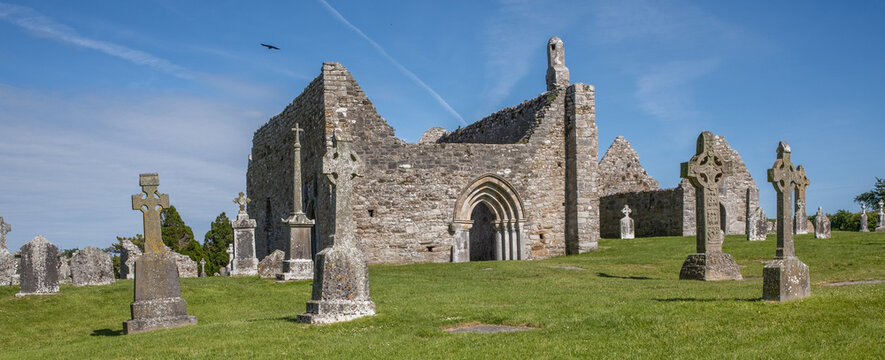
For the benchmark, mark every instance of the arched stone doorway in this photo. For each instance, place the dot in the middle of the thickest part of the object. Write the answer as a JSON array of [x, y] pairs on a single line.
[[488, 222]]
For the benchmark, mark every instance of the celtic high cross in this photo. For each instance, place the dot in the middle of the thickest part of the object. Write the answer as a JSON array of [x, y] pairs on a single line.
[[783, 175], [341, 167], [706, 171], [151, 202]]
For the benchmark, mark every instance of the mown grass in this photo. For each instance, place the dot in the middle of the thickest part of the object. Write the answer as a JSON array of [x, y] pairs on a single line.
[[627, 303]]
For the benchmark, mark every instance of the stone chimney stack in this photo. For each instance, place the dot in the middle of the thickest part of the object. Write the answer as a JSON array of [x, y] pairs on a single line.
[[557, 73]]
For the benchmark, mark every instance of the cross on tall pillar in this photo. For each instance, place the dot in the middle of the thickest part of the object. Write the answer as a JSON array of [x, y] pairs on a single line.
[[151, 202], [706, 171], [296, 169], [4, 229], [783, 175]]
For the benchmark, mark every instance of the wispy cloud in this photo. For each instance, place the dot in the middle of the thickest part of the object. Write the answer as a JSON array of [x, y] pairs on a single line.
[[396, 63], [665, 91], [641, 19]]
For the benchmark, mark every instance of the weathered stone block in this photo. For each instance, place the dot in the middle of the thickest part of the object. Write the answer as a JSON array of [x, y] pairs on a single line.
[[128, 254], [7, 267], [785, 280], [92, 266], [821, 225], [271, 265], [710, 267], [39, 268], [340, 289], [158, 303]]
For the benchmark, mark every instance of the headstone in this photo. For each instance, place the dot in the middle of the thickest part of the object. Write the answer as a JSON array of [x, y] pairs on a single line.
[[757, 223], [39, 268], [784, 278], [706, 171], [298, 264], [128, 254], [800, 223], [341, 273], [271, 265], [230, 258], [864, 221], [91, 266], [821, 224], [157, 302], [627, 224], [18, 267], [187, 267], [64, 269], [222, 272], [244, 261], [7, 260], [880, 218], [203, 268]]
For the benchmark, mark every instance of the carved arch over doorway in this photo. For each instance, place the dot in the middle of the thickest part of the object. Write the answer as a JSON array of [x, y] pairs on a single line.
[[505, 204]]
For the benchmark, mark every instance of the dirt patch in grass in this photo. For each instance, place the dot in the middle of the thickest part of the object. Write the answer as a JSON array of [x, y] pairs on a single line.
[[480, 328], [568, 267], [859, 282]]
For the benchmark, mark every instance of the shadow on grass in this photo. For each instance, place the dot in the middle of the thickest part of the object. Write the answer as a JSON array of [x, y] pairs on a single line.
[[706, 300], [106, 332], [284, 318], [624, 277]]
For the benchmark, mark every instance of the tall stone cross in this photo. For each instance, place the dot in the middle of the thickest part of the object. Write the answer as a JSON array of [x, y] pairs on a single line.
[[242, 200], [706, 171], [626, 210], [801, 181], [4, 229], [296, 167], [341, 166], [151, 202], [784, 176]]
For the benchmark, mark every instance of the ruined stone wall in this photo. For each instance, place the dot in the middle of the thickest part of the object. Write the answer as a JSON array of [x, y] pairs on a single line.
[[508, 126], [733, 192], [620, 170], [655, 212]]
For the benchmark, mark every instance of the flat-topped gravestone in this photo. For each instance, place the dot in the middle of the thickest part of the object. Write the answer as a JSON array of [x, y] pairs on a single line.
[[757, 224], [128, 254], [341, 273], [784, 278], [821, 224], [157, 302], [627, 231], [880, 218], [91, 266], [800, 223], [39, 268], [298, 264], [864, 220], [7, 260], [244, 262], [706, 171]]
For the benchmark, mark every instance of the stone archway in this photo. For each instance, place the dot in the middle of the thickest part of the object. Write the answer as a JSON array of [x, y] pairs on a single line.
[[505, 209]]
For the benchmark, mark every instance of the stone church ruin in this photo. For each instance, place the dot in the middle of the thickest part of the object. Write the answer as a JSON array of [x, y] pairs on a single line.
[[522, 183]]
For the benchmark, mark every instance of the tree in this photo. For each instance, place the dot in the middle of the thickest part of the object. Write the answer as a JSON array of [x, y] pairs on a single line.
[[872, 197], [220, 235], [178, 236]]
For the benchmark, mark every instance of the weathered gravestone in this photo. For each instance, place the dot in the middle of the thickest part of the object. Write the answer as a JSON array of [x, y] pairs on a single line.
[[187, 267], [341, 273], [128, 254], [757, 223], [784, 278], [157, 302], [627, 224], [864, 221], [821, 224], [91, 266], [39, 268], [298, 264], [706, 172], [244, 261], [7, 260], [271, 265], [880, 218], [800, 220], [230, 257], [64, 269], [203, 268]]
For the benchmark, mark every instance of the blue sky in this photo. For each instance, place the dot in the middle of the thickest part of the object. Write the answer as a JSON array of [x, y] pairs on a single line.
[[92, 94]]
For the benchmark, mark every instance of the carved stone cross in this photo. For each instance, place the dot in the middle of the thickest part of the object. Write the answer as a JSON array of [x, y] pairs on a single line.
[[626, 210], [242, 200], [341, 166], [151, 202], [783, 175], [4, 229], [297, 130], [706, 171]]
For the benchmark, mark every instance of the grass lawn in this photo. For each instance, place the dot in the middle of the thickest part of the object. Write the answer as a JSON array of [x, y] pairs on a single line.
[[626, 303]]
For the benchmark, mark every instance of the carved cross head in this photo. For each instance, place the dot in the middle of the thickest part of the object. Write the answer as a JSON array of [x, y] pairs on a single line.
[[340, 162], [706, 169], [626, 210], [150, 199], [242, 200], [801, 180], [297, 130], [782, 174]]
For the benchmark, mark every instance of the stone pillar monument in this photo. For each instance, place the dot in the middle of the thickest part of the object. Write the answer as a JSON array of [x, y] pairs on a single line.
[[821, 224], [706, 171], [757, 223], [39, 268], [298, 264], [7, 259], [784, 278], [800, 222], [158, 303], [627, 231], [244, 262], [341, 274], [864, 221], [557, 73], [880, 218]]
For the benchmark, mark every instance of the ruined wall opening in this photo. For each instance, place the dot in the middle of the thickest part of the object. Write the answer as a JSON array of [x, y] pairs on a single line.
[[488, 222]]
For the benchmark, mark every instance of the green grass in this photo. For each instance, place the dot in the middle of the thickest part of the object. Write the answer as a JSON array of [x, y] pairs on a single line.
[[628, 303]]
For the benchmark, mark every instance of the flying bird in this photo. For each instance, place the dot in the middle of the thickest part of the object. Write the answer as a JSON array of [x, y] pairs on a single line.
[[270, 47]]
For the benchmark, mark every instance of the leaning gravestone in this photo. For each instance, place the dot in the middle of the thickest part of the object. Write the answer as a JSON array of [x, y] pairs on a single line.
[[880, 218], [157, 303], [271, 265], [39, 268], [92, 266], [341, 273], [128, 254], [821, 224], [7, 260], [244, 262], [627, 224], [757, 223], [864, 221], [784, 278], [706, 172]]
